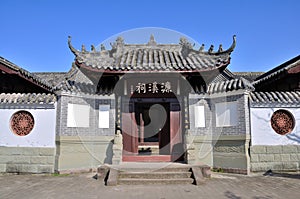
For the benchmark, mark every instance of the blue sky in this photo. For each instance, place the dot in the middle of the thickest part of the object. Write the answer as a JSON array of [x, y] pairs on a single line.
[[34, 33]]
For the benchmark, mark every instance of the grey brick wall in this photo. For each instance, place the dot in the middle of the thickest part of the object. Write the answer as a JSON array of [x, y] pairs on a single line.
[[229, 145], [199, 101], [93, 102], [241, 128], [280, 157]]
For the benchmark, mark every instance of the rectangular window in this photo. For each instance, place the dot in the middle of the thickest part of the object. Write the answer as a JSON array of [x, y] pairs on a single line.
[[226, 114], [78, 115], [104, 116], [199, 116]]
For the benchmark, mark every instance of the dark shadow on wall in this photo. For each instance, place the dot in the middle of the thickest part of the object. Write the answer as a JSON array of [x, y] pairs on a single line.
[[109, 153], [293, 137]]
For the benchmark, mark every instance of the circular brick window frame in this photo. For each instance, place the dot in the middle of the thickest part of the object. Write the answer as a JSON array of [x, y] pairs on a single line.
[[21, 123], [282, 122]]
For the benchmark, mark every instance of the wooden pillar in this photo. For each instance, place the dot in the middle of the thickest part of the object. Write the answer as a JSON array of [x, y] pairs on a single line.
[[176, 144], [129, 129], [142, 129]]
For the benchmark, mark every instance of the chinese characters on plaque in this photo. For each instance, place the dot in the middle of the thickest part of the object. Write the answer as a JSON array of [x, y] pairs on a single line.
[[163, 87]]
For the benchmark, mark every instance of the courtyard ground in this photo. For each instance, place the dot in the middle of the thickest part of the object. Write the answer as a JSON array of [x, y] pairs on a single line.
[[84, 185]]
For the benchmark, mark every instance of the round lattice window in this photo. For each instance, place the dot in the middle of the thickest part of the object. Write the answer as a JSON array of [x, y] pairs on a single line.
[[22, 123], [282, 122]]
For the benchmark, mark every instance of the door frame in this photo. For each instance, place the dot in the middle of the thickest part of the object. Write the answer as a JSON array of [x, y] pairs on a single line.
[[129, 125]]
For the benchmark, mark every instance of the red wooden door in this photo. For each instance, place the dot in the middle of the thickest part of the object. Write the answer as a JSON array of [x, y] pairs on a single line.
[[129, 130], [176, 144], [164, 133]]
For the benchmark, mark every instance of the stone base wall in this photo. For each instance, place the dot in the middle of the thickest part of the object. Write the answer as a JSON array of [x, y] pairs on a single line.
[[82, 153], [277, 158], [27, 159], [230, 153], [203, 152]]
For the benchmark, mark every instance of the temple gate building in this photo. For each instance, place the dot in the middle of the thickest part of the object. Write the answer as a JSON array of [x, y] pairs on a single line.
[[149, 103]]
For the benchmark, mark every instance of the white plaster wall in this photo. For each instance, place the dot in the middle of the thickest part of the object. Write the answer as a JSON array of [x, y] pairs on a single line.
[[262, 132], [42, 135]]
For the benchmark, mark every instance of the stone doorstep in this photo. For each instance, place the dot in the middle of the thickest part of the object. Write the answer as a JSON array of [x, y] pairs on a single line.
[[155, 175], [138, 181]]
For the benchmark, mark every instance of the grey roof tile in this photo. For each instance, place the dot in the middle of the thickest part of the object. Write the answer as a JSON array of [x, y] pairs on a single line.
[[154, 57], [27, 98], [281, 69], [24, 73], [229, 85], [280, 97], [53, 78], [250, 76]]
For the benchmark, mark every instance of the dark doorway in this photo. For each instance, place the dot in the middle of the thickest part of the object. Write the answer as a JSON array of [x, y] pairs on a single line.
[[153, 120]]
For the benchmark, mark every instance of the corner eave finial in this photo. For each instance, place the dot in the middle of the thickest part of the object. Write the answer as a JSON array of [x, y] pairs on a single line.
[[231, 48], [71, 47]]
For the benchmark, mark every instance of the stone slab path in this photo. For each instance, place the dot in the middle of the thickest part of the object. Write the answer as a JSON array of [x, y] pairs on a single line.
[[83, 185]]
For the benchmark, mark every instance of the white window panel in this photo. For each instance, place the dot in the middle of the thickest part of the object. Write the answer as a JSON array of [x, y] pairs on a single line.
[[199, 116], [104, 116], [226, 114], [78, 115]]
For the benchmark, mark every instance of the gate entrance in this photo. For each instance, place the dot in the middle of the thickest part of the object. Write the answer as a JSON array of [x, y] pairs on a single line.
[[151, 129], [153, 121]]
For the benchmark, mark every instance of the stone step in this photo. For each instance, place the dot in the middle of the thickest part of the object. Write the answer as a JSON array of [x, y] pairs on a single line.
[[158, 169], [155, 175], [146, 158], [137, 181]]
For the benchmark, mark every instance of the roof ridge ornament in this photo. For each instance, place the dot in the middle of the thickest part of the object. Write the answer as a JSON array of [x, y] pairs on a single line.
[[186, 46], [93, 49], [83, 49], [220, 48], [201, 49], [119, 43], [117, 47], [211, 49], [152, 41]]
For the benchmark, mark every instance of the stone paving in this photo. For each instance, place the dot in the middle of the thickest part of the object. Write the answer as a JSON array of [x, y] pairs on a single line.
[[83, 185]]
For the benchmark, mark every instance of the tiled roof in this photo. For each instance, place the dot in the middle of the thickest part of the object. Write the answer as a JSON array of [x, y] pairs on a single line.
[[223, 76], [229, 85], [25, 74], [281, 69], [53, 78], [250, 76], [77, 87], [27, 98], [153, 57], [275, 97]]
